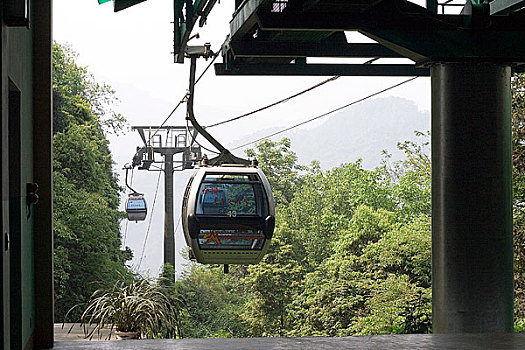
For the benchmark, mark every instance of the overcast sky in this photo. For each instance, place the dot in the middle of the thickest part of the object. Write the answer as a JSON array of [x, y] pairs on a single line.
[[132, 51]]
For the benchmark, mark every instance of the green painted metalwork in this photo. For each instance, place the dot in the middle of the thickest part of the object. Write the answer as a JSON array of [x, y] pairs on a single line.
[[505, 7], [264, 31], [187, 13], [432, 6], [119, 5], [320, 69], [243, 48], [244, 17], [124, 4], [263, 35]]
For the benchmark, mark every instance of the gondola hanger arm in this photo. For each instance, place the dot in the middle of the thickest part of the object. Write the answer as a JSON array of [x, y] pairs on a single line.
[[225, 156], [127, 167]]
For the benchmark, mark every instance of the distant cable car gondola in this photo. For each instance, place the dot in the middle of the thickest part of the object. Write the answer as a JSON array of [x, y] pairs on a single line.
[[136, 207], [228, 215]]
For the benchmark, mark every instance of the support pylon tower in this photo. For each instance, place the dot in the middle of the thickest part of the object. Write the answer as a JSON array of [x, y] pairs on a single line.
[[168, 142]]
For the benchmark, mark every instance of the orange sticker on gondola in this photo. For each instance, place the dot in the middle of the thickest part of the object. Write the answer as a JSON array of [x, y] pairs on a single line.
[[212, 237]]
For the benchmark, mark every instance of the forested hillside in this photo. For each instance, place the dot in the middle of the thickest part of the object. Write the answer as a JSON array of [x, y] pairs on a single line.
[[86, 192]]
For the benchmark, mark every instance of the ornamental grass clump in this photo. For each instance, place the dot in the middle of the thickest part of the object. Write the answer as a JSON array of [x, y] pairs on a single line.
[[145, 308]]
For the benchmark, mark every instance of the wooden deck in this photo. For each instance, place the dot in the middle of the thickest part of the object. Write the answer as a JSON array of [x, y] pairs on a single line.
[[64, 332]]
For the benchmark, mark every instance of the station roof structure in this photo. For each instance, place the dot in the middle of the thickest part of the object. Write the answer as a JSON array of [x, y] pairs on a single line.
[[277, 37]]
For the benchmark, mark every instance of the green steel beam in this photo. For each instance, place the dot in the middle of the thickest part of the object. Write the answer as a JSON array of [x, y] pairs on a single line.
[[322, 69], [418, 37], [124, 4], [206, 11], [308, 49], [342, 21], [505, 7], [184, 23], [453, 45], [244, 18], [408, 30], [251, 12], [432, 6]]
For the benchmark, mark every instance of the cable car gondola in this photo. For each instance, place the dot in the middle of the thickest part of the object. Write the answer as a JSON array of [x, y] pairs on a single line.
[[228, 214], [136, 207]]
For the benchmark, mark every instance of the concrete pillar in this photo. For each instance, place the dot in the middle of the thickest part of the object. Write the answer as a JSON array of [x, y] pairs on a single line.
[[472, 271]]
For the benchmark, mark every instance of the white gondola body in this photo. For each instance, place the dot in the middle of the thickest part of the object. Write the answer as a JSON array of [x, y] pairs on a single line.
[[136, 207], [228, 215]]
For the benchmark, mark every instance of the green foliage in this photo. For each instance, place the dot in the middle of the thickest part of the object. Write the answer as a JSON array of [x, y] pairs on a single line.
[[87, 244], [328, 304], [396, 270], [402, 250], [395, 306], [369, 284], [212, 304], [518, 160], [410, 178], [519, 325], [323, 206], [78, 98], [279, 164], [78, 157], [167, 276], [366, 227], [86, 191], [271, 286]]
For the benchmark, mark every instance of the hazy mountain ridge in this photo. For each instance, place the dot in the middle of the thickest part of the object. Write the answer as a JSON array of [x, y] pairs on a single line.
[[362, 132]]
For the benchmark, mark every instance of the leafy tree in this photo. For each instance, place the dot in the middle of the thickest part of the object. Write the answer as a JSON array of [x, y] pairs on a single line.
[[326, 202], [395, 306], [410, 178], [86, 191], [279, 164], [518, 160], [405, 249], [78, 98], [271, 286], [399, 267], [212, 305], [371, 283]]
